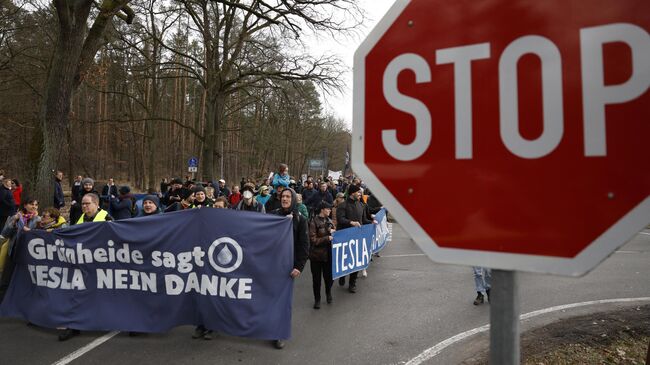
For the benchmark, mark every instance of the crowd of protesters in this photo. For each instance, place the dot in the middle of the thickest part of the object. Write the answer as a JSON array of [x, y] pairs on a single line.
[[318, 206]]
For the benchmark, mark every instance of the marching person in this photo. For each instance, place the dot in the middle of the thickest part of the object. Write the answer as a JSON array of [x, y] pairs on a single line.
[[248, 202], [109, 191], [281, 177], [87, 187], [300, 237], [91, 210], [150, 205], [174, 194], [320, 251], [26, 219], [235, 196], [7, 202], [221, 203], [201, 198], [274, 202], [263, 196], [352, 213], [482, 283], [124, 206], [51, 219], [59, 198]]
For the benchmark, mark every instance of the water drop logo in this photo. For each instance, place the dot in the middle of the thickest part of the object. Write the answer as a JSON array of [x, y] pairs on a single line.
[[226, 261]]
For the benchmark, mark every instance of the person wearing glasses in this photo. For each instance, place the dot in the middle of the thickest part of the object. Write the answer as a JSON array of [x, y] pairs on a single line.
[[91, 210]]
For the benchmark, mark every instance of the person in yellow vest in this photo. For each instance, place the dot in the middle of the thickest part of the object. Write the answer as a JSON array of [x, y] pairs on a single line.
[[91, 213], [91, 210]]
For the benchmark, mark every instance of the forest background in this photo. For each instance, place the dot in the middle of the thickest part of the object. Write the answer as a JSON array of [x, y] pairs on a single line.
[[132, 89]]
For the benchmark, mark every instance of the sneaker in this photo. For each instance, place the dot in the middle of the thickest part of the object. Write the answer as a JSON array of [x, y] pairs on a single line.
[[352, 289], [67, 334], [317, 304], [207, 335], [342, 281], [278, 344], [479, 299], [329, 298], [199, 332]]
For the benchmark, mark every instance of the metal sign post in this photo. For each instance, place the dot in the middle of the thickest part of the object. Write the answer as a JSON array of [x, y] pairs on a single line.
[[504, 318], [193, 164]]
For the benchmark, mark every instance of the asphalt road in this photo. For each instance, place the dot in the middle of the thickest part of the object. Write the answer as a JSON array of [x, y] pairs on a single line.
[[406, 305]]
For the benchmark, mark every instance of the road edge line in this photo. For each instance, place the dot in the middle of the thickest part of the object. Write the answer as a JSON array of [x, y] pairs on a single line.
[[80, 352], [437, 348]]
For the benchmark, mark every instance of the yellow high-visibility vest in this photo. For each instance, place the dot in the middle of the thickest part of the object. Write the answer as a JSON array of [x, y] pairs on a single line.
[[99, 217]]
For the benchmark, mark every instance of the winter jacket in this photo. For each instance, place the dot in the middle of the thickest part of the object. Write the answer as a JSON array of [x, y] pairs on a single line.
[[278, 180], [7, 202], [272, 204], [254, 207], [320, 247], [123, 207], [17, 192], [351, 211], [263, 199], [317, 197], [300, 234], [302, 209], [59, 198]]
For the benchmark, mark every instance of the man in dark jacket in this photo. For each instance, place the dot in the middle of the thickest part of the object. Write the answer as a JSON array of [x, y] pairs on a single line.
[[274, 201], [7, 202], [300, 237], [319, 196], [59, 198], [122, 207], [174, 194], [352, 213]]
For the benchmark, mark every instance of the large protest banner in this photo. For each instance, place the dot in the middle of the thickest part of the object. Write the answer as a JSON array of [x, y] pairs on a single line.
[[225, 269], [353, 247]]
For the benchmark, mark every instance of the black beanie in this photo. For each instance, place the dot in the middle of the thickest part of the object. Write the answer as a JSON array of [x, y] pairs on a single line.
[[353, 189], [324, 205]]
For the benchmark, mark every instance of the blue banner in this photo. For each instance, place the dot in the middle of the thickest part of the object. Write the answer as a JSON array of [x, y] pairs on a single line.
[[228, 270], [353, 247]]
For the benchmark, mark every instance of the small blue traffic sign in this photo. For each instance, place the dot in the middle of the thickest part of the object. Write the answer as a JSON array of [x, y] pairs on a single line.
[[193, 162]]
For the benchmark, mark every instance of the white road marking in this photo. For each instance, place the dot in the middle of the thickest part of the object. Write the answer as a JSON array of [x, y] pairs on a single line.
[[621, 251], [406, 255], [435, 350], [86, 348], [645, 233]]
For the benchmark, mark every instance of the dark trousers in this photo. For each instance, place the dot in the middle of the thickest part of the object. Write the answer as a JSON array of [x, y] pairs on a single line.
[[319, 269], [353, 278]]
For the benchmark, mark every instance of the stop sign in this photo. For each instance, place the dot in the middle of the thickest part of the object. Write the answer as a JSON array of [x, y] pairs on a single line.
[[509, 134]]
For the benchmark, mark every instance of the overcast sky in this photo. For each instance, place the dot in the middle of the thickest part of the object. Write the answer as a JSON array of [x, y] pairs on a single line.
[[341, 106]]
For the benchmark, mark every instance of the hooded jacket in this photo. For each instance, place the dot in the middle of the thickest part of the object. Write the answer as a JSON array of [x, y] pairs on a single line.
[[300, 233]]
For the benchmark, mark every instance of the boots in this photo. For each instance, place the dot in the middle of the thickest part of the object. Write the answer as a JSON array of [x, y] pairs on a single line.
[[479, 299]]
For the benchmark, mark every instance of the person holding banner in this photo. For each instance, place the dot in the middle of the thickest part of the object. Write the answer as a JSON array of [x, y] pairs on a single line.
[[150, 205], [91, 210], [300, 237], [320, 251], [352, 213], [26, 219]]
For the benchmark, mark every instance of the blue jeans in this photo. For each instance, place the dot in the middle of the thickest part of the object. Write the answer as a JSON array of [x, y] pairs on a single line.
[[482, 278]]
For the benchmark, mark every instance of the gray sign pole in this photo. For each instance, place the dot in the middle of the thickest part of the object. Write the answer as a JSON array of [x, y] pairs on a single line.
[[504, 318]]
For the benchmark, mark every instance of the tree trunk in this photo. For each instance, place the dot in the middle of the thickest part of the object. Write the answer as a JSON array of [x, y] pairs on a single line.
[[56, 108]]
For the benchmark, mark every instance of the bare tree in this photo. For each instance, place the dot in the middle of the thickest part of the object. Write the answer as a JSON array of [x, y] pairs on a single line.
[[74, 52]]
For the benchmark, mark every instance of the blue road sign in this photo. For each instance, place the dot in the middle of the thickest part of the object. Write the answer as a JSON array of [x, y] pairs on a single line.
[[193, 162]]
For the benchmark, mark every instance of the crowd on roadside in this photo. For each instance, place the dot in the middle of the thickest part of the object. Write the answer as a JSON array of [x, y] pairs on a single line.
[[318, 206]]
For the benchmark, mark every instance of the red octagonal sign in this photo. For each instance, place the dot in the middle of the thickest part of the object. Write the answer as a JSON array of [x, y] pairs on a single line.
[[509, 134]]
